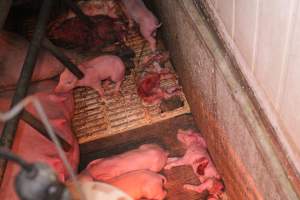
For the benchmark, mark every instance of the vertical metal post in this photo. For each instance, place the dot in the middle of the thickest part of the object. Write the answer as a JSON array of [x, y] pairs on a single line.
[[10, 127], [4, 10]]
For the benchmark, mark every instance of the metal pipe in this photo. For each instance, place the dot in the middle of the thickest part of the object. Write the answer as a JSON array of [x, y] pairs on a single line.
[[62, 58], [73, 6], [38, 125], [4, 10], [10, 127]]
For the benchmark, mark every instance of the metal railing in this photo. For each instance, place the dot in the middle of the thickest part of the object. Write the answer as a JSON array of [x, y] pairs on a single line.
[[38, 40]]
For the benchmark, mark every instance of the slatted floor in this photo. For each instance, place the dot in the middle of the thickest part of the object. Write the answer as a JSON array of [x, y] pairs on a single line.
[[97, 117]]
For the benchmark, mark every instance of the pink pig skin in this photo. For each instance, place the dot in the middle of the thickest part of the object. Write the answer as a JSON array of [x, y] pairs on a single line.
[[137, 11], [148, 156], [197, 156], [141, 184], [95, 70], [33, 147], [13, 50]]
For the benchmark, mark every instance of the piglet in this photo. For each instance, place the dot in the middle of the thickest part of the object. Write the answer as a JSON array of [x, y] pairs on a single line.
[[141, 184], [149, 88], [107, 67], [148, 156], [197, 156], [148, 23]]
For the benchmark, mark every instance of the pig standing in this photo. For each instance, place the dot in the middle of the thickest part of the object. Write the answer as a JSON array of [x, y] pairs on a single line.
[[148, 23], [95, 70], [197, 156], [148, 156], [33, 147], [141, 184]]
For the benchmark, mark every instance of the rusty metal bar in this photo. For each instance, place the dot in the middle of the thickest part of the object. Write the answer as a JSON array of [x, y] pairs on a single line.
[[62, 58], [73, 6], [10, 127], [4, 10], [38, 125]]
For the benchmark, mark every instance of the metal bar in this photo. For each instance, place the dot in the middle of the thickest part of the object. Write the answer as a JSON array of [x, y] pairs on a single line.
[[73, 6], [4, 10], [38, 125], [62, 58], [10, 127]]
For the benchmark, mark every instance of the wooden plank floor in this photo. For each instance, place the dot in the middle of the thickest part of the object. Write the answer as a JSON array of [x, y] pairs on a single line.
[[162, 133]]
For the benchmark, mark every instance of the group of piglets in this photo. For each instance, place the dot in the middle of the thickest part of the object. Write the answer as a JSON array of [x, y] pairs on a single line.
[[111, 67], [135, 172]]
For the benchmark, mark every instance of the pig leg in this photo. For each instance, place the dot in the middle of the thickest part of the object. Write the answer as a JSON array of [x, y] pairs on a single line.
[[117, 87], [99, 89], [197, 188], [212, 185], [147, 34], [152, 43], [125, 11], [106, 83], [161, 196], [174, 162], [172, 159]]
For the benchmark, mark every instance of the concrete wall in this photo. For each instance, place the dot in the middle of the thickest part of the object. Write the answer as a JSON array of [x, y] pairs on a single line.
[[264, 34], [237, 137]]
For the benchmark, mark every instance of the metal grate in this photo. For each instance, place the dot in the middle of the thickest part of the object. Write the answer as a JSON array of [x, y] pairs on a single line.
[[97, 117]]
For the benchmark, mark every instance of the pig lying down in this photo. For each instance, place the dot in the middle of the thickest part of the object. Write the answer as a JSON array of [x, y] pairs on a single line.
[[90, 8], [197, 156], [75, 34], [147, 157], [93, 190], [33, 147], [106, 67], [13, 49], [137, 11], [134, 172], [141, 184]]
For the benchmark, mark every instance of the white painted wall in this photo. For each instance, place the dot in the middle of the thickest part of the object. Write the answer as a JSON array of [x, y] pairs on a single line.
[[265, 37]]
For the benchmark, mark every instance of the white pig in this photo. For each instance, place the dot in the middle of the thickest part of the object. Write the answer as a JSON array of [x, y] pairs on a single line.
[[148, 23], [141, 184], [148, 156], [107, 67]]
